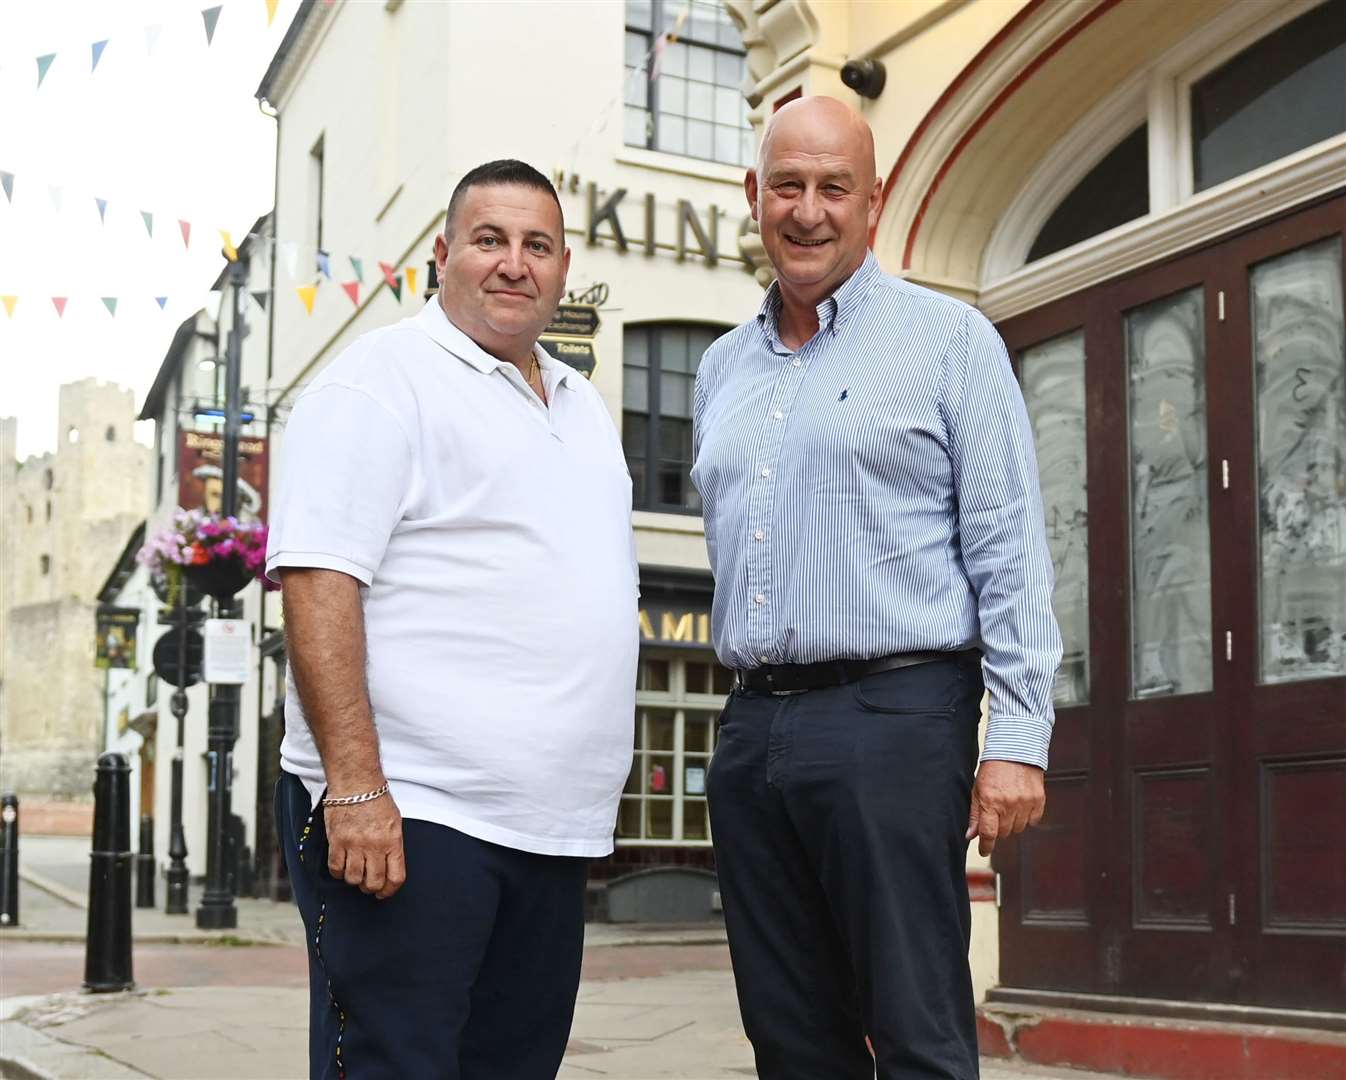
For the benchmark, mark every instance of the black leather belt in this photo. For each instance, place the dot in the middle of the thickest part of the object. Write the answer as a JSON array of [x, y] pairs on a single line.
[[796, 678]]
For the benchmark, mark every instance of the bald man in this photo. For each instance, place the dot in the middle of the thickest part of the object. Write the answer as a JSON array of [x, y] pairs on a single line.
[[876, 534]]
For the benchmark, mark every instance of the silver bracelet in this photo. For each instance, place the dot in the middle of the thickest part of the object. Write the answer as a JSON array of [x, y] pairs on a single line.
[[351, 800]]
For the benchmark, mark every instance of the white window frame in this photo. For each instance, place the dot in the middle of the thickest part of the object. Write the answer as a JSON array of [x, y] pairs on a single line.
[[1159, 95], [680, 702]]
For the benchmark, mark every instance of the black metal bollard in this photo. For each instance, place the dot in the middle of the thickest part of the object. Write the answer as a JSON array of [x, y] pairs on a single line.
[[9, 861], [145, 863], [107, 955]]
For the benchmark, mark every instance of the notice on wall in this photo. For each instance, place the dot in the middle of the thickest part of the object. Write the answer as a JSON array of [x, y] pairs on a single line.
[[228, 652]]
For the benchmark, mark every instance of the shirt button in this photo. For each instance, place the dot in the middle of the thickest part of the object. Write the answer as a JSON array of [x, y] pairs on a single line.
[[797, 362], [759, 535], [765, 659], [766, 472], [779, 415], [759, 599]]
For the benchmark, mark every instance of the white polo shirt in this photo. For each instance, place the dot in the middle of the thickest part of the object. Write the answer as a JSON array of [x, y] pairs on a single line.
[[492, 536]]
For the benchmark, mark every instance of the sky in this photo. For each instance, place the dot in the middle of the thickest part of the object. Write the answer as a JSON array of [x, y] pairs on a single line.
[[174, 131]]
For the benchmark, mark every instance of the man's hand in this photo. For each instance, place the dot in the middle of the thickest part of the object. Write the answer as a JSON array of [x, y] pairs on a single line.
[[1007, 798], [364, 846]]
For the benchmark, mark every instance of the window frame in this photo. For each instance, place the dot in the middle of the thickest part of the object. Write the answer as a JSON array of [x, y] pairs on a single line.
[[657, 10]]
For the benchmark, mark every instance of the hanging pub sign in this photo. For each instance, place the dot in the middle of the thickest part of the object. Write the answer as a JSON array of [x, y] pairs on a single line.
[[570, 336], [115, 644], [201, 473]]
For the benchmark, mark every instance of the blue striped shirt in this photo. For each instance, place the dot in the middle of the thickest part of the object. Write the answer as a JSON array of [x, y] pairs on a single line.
[[875, 492]]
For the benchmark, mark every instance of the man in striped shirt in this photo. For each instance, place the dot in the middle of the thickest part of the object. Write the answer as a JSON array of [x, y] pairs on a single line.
[[876, 533]]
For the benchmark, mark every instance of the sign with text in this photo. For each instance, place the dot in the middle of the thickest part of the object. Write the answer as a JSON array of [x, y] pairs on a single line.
[[661, 625], [228, 651], [570, 337], [201, 473], [116, 642]]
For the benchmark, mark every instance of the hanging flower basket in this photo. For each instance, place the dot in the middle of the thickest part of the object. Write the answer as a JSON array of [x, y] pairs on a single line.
[[204, 553]]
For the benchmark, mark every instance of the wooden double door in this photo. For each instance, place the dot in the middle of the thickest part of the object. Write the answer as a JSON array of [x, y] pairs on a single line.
[[1191, 431]]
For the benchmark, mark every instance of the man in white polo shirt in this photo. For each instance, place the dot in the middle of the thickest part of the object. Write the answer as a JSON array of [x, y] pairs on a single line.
[[453, 536]]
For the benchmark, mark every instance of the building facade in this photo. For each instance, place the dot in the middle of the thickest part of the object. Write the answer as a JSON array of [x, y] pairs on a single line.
[[1150, 201], [60, 514]]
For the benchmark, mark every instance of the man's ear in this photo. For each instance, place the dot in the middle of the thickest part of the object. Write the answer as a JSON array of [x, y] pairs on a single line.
[[875, 203], [750, 189], [441, 254], [565, 269]]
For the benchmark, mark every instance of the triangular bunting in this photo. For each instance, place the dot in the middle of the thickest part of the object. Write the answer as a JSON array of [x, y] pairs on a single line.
[[43, 66], [59, 302], [271, 6], [396, 286], [9, 302], [388, 273], [411, 280], [211, 17], [358, 265], [353, 291], [186, 227], [162, 301], [261, 298], [55, 194], [110, 302], [324, 264], [307, 293], [230, 252], [102, 209], [98, 47], [148, 219], [7, 182], [152, 37]]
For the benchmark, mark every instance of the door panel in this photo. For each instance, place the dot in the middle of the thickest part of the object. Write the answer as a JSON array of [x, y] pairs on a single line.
[[1197, 798]]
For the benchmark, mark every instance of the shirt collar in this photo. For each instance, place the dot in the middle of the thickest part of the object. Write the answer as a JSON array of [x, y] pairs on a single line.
[[833, 310], [434, 321]]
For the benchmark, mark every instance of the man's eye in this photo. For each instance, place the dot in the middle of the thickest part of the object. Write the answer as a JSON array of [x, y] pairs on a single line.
[[788, 187], [538, 247], [487, 241]]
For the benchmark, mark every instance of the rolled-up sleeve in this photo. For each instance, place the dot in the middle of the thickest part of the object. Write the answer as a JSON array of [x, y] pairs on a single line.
[[346, 471], [1003, 540]]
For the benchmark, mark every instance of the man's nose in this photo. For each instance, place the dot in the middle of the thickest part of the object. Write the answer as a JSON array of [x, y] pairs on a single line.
[[511, 263], [809, 210]]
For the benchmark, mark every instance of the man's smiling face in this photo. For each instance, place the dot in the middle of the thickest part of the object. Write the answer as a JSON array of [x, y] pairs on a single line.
[[814, 195]]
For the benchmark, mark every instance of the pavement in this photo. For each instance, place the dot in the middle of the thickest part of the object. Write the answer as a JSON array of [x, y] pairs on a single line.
[[654, 1001]]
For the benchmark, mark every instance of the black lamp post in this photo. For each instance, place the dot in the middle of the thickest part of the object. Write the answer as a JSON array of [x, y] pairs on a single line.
[[217, 910]]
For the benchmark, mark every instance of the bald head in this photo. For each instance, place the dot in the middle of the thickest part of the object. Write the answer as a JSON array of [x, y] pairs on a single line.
[[820, 125]]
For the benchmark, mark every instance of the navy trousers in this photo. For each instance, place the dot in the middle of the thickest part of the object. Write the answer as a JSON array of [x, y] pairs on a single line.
[[469, 972], [838, 818]]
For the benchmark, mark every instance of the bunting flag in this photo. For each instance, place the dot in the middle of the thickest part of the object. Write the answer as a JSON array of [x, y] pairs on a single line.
[[261, 298], [148, 219], [211, 17], [54, 193], [98, 47], [152, 37], [230, 252], [7, 182], [59, 303], [396, 286], [102, 209], [290, 250], [307, 293], [162, 301], [9, 302], [186, 227], [325, 264], [389, 275], [353, 291], [271, 6], [110, 302], [43, 66], [358, 265], [411, 280]]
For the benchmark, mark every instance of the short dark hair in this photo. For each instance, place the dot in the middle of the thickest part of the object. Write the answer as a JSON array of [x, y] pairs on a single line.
[[503, 171]]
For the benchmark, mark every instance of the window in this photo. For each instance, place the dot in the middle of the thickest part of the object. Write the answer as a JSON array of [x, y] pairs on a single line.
[[678, 703], [29, 509], [72, 436], [659, 364], [684, 96], [1278, 96], [1115, 191], [111, 434], [48, 509], [48, 479], [45, 563]]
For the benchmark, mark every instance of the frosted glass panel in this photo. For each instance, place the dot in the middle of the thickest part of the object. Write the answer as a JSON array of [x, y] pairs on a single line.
[[1170, 530], [1053, 383], [1301, 463]]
